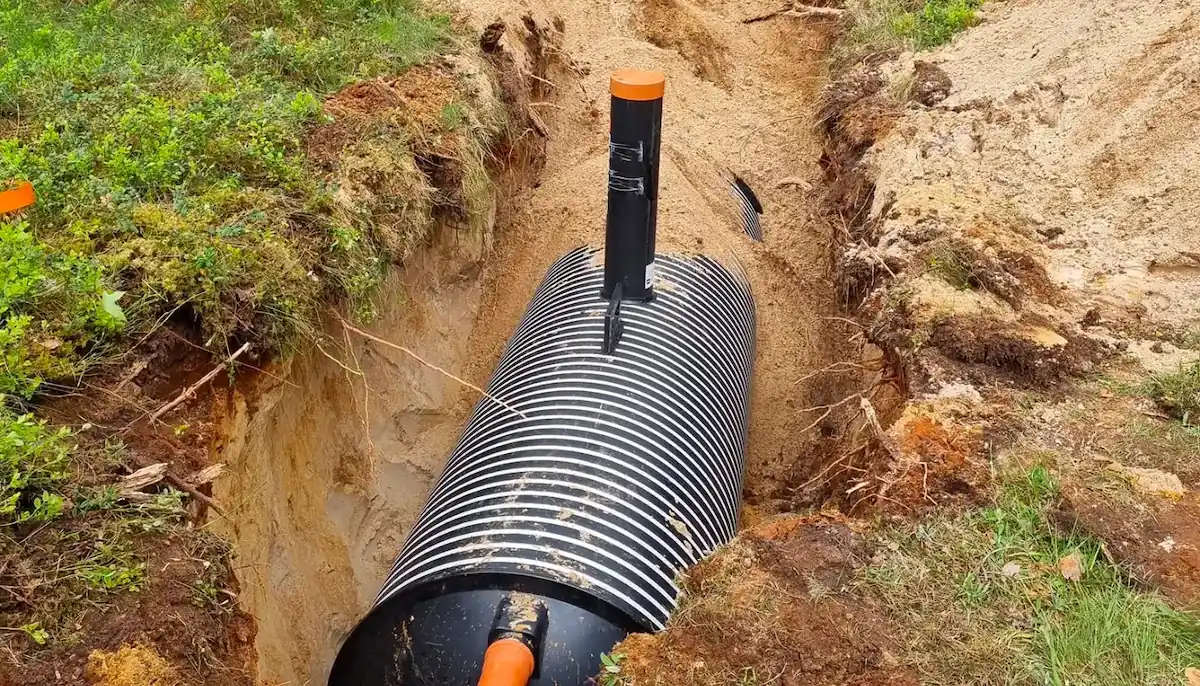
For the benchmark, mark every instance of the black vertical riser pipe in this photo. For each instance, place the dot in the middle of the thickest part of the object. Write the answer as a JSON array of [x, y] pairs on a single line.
[[633, 161]]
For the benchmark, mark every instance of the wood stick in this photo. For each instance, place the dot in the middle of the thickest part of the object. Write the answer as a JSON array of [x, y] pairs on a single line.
[[181, 485], [800, 12], [190, 391], [428, 364]]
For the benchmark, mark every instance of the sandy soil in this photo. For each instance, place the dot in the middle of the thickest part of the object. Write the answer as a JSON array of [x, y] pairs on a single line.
[[1068, 137], [1039, 221]]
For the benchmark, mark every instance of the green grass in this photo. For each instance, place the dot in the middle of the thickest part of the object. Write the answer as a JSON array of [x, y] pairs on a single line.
[[165, 142], [953, 264], [966, 622], [1177, 392], [881, 25]]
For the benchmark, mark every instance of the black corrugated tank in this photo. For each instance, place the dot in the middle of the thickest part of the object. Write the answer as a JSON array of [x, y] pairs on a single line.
[[624, 469]]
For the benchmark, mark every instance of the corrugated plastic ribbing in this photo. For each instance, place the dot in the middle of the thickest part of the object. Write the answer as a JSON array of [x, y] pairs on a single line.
[[614, 472]]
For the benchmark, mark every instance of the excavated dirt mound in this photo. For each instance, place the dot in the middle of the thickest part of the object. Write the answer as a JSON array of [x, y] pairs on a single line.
[[1032, 211], [776, 606], [1029, 220]]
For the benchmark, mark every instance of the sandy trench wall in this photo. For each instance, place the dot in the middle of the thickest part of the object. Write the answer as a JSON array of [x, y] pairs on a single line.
[[321, 487]]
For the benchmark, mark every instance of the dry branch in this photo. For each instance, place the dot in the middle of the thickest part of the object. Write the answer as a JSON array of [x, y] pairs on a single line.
[[207, 475], [190, 392], [132, 485], [428, 364], [181, 485], [799, 11]]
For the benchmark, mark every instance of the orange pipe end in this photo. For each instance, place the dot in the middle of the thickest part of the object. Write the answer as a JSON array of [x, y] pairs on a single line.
[[635, 84], [507, 662], [17, 198]]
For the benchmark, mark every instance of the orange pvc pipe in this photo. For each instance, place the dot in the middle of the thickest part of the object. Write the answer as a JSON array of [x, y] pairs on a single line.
[[17, 198], [507, 662]]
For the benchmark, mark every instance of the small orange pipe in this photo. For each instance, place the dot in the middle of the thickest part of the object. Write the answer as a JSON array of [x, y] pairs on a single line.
[[18, 198], [507, 662]]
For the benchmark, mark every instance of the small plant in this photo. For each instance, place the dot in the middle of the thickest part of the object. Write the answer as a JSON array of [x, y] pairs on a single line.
[[112, 578], [206, 594], [33, 631], [611, 669], [453, 116], [1177, 393], [33, 465], [952, 264]]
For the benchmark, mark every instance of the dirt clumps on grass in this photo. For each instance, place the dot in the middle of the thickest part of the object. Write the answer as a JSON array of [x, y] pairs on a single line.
[[1155, 537], [774, 606]]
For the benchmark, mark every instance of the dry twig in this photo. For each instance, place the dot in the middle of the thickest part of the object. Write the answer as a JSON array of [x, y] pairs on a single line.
[[799, 11], [190, 392], [428, 364]]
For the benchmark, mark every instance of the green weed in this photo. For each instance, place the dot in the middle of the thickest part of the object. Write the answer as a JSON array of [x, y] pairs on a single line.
[[610, 669], [33, 631], [881, 25], [453, 116], [114, 577], [33, 467], [983, 601]]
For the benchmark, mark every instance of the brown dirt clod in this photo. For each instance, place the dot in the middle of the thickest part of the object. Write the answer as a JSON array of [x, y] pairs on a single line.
[[130, 666], [774, 606]]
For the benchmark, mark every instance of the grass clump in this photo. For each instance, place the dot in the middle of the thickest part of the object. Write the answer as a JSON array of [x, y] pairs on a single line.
[[983, 599], [881, 25], [165, 142], [954, 265], [1177, 392]]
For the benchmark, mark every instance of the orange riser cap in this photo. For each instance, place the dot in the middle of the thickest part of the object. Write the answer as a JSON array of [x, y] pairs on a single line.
[[635, 84]]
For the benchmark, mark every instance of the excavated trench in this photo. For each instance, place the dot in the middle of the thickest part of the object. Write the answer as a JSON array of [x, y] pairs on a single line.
[[328, 469]]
